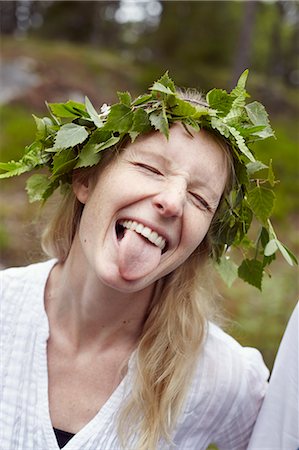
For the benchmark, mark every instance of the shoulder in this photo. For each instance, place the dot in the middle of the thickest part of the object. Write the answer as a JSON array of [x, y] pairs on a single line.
[[241, 369], [221, 349], [19, 283], [21, 275], [228, 388]]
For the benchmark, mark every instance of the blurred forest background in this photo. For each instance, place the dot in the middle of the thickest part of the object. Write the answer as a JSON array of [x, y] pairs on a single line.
[[55, 50]]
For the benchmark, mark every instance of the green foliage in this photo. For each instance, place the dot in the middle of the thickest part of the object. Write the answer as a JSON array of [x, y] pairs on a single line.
[[261, 201], [16, 130], [120, 119], [36, 186], [159, 121], [70, 135], [284, 152], [227, 269], [92, 113], [69, 109], [251, 270], [259, 116], [76, 133]]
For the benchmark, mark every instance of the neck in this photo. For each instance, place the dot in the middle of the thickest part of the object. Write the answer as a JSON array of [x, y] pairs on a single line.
[[88, 314]]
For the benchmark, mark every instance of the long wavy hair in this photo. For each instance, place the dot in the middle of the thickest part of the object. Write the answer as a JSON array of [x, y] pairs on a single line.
[[174, 327]]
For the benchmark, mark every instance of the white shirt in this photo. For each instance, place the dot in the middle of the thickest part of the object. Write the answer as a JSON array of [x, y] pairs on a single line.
[[277, 426], [221, 406]]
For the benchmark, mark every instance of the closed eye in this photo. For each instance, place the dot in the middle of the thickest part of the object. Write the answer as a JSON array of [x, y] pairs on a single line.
[[201, 202], [148, 168]]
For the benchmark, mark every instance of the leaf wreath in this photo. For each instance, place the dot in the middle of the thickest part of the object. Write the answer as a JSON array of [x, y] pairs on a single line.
[[75, 135]]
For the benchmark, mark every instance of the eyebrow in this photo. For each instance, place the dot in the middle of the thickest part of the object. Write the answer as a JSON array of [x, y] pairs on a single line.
[[146, 151], [196, 182]]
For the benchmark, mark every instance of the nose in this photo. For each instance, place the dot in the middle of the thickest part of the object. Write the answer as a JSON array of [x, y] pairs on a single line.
[[170, 202]]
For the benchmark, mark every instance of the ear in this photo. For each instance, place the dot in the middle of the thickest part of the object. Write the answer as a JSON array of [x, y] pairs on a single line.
[[81, 188]]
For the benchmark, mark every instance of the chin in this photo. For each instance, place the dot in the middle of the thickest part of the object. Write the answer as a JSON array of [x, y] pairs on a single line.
[[112, 279]]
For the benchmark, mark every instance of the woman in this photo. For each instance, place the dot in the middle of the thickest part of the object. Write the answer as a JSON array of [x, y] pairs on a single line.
[[111, 343], [278, 427]]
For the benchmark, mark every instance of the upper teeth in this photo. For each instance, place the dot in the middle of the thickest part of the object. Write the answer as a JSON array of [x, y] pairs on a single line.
[[147, 232]]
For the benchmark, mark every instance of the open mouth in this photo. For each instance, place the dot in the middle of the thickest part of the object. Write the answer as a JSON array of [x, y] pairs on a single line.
[[147, 233]]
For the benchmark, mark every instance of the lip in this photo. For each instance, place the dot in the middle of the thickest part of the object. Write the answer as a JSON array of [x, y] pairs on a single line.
[[161, 232]]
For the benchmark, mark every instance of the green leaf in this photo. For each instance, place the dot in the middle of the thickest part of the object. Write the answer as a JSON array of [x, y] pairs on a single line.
[[258, 116], [99, 135], [109, 143], [241, 143], [54, 183], [32, 158], [41, 132], [239, 90], [165, 82], [261, 200], [70, 135], [64, 161], [227, 269], [220, 100], [249, 132], [90, 153], [192, 123], [287, 254], [159, 121], [185, 109], [268, 260], [141, 122], [255, 166], [158, 87], [92, 113], [120, 118], [142, 99], [246, 219], [241, 173], [34, 155], [88, 156], [251, 271], [68, 109], [13, 168], [243, 79], [125, 98], [274, 245], [220, 126], [235, 117], [36, 186]]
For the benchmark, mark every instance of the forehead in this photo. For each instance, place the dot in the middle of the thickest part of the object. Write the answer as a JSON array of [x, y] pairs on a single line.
[[200, 154]]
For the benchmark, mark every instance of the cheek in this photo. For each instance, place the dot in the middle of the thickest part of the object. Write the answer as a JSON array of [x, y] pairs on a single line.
[[87, 225], [195, 230]]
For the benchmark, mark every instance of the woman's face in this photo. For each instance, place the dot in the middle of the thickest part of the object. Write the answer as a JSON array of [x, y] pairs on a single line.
[[151, 207]]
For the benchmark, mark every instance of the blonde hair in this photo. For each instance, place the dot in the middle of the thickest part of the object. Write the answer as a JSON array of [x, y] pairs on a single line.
[[172, 337], [167, 353]]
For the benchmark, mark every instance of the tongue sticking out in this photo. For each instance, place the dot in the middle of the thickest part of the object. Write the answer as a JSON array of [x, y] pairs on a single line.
[[137, 256]]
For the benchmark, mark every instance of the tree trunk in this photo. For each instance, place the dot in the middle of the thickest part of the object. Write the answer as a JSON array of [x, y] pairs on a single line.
[[244, 45], [8, 17]]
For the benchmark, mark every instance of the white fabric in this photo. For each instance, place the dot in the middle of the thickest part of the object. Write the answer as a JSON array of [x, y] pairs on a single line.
[[277, 426], [222, 403]]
